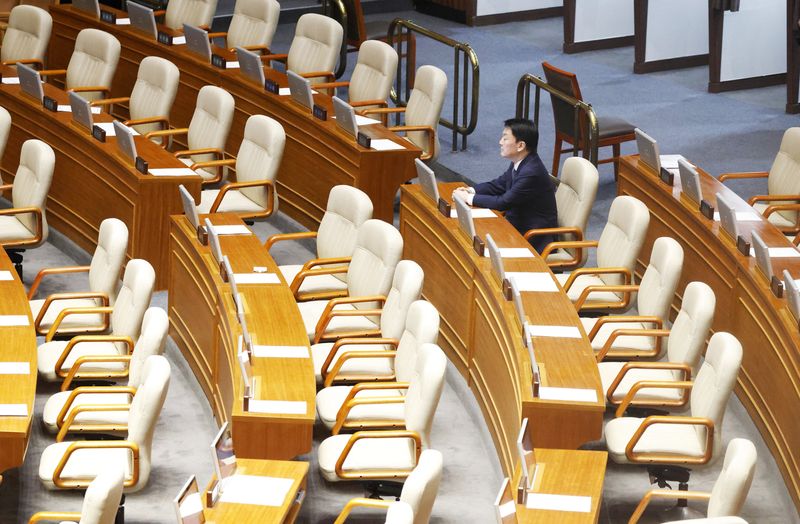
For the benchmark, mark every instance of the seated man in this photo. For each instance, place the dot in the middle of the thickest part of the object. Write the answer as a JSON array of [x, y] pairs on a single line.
[[525, 191]]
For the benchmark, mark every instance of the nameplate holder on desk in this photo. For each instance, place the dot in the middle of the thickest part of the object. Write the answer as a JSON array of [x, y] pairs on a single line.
[[478, 245], [141, 165], [271, 86], [444, 207], [707, 209], [219, 61], [319, 112], [51, 104], [667, 177], [223, 273], [776, 285], [202, 235], [108, 17], [365, 141], [536, 383], [213, 494], [99, 133], [508, 294], [522, 491], [164, 38], [743, 246]]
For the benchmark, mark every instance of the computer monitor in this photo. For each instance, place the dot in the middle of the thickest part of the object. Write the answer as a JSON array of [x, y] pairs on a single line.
[[251, 65], [247, 372], [648, 150], [189, 504], [90, 6], [213, 242], [197, 41], [763, 261], [427, 180], [792, 292], [125, 142], [690, 181], [247, 341], [222, 454], [142, 18], [518, 305], [81, 110], [300, 89], [727, 217], [30, 82], [226, 263], [464, 215], [189, 207], [495, 257], [527, 458], [505, 505], [345, 116]]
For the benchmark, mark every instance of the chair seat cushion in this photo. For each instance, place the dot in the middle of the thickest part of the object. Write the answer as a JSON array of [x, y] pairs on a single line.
[[311, 312], [56, 402], [70, 321], [234, 202], [366, 454], [361, 367], [331, 399], [205, 174], [610, 370], [774, 218], [635, 343], [13, 229], [83, 464], [560, 255], [680, 439], [316, 284], [49, 352], [581, 283], [611, 126]]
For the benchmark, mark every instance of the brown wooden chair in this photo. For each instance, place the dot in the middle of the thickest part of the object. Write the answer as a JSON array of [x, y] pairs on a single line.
[[612, 131]]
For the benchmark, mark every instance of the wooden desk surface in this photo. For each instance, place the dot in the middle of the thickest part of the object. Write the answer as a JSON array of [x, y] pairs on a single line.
[[317, 156], [204, 324], [19, 345], [481, 335], [769, 380]]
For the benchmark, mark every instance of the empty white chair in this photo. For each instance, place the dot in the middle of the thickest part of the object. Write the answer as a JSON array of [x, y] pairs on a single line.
[[397, 512], [73, 465], [104, 272], [100, 503], [26, 38], [619, 244], [5, 130], [56, 357], [370, 272], [346, 210], [252, 26], [315, 48], [371, 81], [253, 195], [198, 13], [390, 454]]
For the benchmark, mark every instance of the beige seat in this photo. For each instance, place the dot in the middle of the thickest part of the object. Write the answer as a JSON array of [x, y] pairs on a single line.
[[574, 200], [56, 357], [5, 130], [390, 454], [639, 336], [730, 489], [26, 38], [685, 342], [370, 272], [315, 48], [104, 272], [206, 134], [72, 465], [617, 249], [422, 111], [419, 492], [253, 195], [198, 13], [406, 288], [252, 26], [61, 405], [346, 210], [100, 503], [92, 65], [152, 95], [371, 81], [782, 201]]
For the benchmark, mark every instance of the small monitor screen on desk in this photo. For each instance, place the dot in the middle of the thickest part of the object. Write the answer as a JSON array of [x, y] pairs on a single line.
[[345, 116], [761, 251], [142, 18], [690, 181], [197, 41], [189, 504], [426, 179], [222, 453], [648, 150], [496, 257], [30, 82], [251, 65], [727, 217], [125, 142], [81, 110], [189, 207], [792, 294], [300, 89], [464, 215]]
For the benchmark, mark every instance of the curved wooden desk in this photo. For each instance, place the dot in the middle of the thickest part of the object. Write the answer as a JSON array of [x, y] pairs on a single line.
[[204, 324], [19, 345], [318, 155], [480, 332], [769, 380]]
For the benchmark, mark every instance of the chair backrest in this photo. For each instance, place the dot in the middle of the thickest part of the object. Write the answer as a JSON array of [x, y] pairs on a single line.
[[32, 182], [422, 485], [108, 257], [422, 327], [657, 288], [374, 72], [259, 156], [133, 299], [424, 391], [399, 513], [154, 91], [714, 383], [783, 175], [406, 287], [190, 12], [623, 236], [563, 113], [730, 489], [379, 247], [316, 45], [424, 105], [151, 342], [575, 196], [145, 408], [687, 336], [93, 61], [5, 130], [101, 501], [27, 34], [346, 210], [211, 121], [253, 23]]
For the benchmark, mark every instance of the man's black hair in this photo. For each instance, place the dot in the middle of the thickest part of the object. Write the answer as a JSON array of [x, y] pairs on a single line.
[[524, 130]]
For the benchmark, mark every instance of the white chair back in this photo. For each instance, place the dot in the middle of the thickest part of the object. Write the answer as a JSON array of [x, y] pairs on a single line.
[[133, 299], [687, 336], [211, 121], [108, 257], [260, 156], [657, 288], [27, 34], [406, 287], [253, 23], [379, 247], [783, 175], [5, 130], [346, 210], [422, 327], [316, 44], [374, 72], [101, 501], [623, 236], [424, 105], [154, 91], [151, 342], [731, 488], [32, 182], [422, 485], [190, 12], [575, 197], [93, 61], [399, 513], [424, 391]]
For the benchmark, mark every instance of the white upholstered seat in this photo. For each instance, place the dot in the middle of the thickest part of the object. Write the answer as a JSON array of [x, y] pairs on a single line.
[[371, 81], [253, 25], [315, 47], [92, 65], [26, 38], [5, 130], [100, 503], [198, 13]]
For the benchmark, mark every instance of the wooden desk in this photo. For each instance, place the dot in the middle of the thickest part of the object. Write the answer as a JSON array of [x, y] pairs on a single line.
[[230, 513], [92, 181], [19, 345], [481, 336], [769, 380], [317, 156], [204, 325]]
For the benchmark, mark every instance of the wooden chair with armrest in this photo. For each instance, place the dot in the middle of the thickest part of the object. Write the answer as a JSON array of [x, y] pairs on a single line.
[[26, 36], [197, 13], [252, 26], [100, 503]]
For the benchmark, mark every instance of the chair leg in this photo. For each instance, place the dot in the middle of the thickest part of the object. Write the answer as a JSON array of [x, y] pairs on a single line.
[[615, 148], [383, 488], [556, 157], [119, 518], [15, 255]]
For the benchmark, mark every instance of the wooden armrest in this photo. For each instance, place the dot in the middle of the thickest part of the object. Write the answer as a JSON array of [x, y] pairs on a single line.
[[89, 390], [319, 74], [53, 271], [278, 58], [167, 132], [734, 176], [73, 372], [617, 333], [159, 12], [595, 271], [625, 319], [561, 264], [335, 375], [52, 72], [667, 495], [352, 401], [626, 289], [376, 474], [88, 89], [264, 49], [88, 339], [109, 101], [780, 207], [37, 237], [362, 103], [202, 151], [774, 198], [685, 385], [281, 237], [69, 424], [103, 310], [219, 34], [68, 296], [360, 503], [347, 341], [65, 515], [431, 133], [6, 186], [238, 185], [674, 366], [96, 444], [328, 313], [383, 110], [32, 61], [571, 244], [331, 85], [306, 271], [670, 458], [164, 121]]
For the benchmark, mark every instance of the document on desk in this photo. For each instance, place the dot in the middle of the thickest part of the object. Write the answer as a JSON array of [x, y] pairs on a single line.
[[477, 212], [779, 252], [15, 368], [278, 407], [68, 109], [256, 278], [13, 410], [108, 127], [123, 21], [233, 64], [531, 281], [280, 351], [554, 331], [178, 40], [6, 275], [742, 216], [255, 490], [568, 394], [285, 91], [512, 252], [232, 230], [171, 171], [365, 121], [671, 161], [11, 80], [13, 320], [384, 144], [545, 501]]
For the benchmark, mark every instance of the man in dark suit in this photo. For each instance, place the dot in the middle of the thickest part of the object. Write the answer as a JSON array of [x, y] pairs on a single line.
[[525, 191]]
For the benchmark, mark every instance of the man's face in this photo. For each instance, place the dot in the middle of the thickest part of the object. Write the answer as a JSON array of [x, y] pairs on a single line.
[[509, 146]]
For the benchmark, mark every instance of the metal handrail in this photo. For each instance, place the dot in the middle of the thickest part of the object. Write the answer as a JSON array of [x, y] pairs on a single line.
[[340, 17], [578, 106], [399, 31]]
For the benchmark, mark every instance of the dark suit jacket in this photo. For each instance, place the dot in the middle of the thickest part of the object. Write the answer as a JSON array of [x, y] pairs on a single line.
[[528, 198]]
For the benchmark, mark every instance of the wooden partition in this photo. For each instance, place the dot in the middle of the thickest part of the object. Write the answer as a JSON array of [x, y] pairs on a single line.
[[670, 34], [597, 24]]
